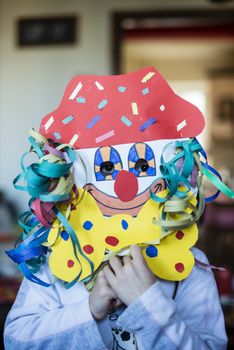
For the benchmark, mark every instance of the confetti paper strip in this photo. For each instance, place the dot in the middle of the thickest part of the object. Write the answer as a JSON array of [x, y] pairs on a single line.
[[57, 135], [49, 122], [93, 122], [147, 124], [102, 104], [181, 125], [145, 91], [148, 77], [99, 86], [75, 91], [134, 108], [81, 99], [105, 136], [74, 139], [126, 121], [68, 119], [122, 88]]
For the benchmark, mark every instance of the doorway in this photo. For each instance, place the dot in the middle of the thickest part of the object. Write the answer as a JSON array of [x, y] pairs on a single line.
[[188, 47]]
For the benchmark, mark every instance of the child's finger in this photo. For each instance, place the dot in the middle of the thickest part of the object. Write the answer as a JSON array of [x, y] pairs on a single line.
[[109, 275], [127, 259], [136, 254], [116, 264], [101, 276], [110, 293], [101, 279]]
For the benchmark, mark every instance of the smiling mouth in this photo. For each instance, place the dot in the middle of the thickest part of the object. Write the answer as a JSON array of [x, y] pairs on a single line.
[[109, 203]]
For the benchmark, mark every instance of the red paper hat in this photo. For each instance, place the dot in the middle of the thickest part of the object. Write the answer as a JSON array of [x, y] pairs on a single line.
[[107, 110]]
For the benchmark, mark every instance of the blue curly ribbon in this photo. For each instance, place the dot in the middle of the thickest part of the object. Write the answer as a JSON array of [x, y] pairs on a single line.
[[31, 277], [29, 249]]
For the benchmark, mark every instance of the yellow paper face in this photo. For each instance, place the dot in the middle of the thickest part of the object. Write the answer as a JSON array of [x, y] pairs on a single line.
[[97, 233]]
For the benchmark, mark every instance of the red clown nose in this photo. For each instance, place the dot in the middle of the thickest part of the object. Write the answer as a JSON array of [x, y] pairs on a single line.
[[126, 186]]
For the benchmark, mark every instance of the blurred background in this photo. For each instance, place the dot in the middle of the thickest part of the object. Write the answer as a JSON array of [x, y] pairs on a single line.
[[43, 44]]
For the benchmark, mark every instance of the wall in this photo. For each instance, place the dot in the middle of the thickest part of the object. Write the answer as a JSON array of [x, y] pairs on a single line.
[[32, 80]]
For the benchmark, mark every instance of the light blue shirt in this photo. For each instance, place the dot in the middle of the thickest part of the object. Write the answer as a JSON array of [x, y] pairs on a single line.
[[56, 318]]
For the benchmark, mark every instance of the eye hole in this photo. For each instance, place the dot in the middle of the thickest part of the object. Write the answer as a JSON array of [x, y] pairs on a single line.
[[141, 165], [107, 168], [141, 161], [107, 163]]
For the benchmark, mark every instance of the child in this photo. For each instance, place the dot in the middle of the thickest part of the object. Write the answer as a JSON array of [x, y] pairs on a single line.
[[112, 240]]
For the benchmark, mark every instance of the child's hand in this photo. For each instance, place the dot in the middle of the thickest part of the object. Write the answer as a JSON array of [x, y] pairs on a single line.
[[102, 298], [130, 277]]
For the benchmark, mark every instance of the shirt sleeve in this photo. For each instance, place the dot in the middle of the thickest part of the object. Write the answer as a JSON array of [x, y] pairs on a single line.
[[194, 320], [41, 319]]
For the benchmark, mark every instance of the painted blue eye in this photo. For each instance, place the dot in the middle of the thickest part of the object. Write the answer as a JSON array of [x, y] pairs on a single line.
[[141, 160], [107, 163]]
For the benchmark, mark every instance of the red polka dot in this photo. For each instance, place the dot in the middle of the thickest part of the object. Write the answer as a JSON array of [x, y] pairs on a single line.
[[179, 267], [179, 235], [88, 249], [70, 263], [112, 241]]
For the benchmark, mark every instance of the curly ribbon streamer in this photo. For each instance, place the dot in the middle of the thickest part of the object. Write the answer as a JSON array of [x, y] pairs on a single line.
[[174, 178], [176, 209], [178, 175], [204, 265], [24, 255], [214, 177], [216, 182], [203, 165], [50, 184], [44, 212]]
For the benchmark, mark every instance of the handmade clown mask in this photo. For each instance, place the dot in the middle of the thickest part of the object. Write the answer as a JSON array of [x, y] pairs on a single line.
[[119, 128], [119, 164]]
